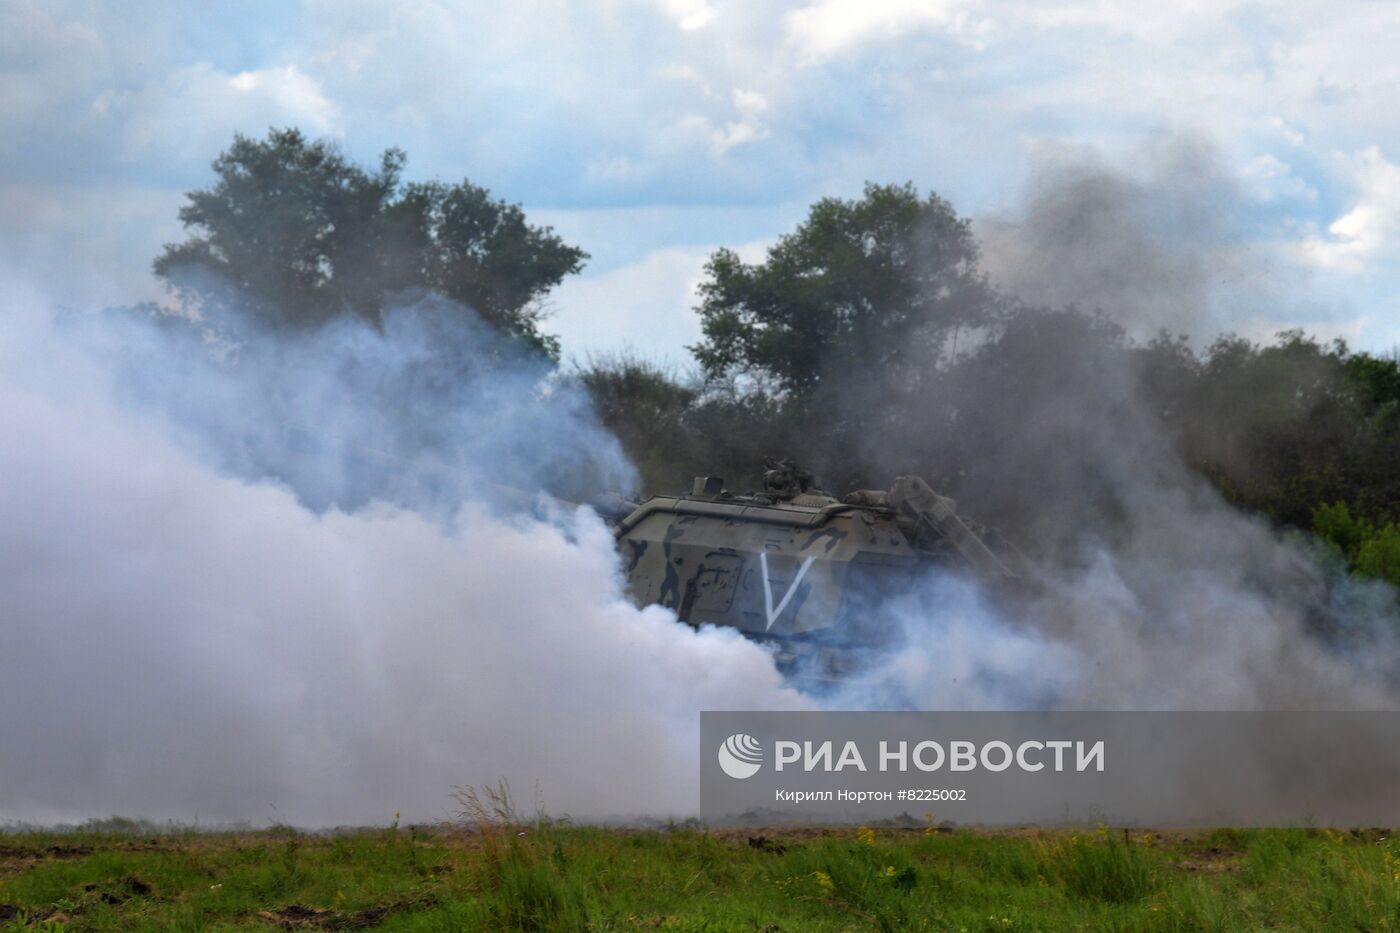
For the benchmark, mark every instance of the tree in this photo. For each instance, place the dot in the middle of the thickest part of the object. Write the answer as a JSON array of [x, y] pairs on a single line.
[[295, 234], [646, 407], [877, 285]]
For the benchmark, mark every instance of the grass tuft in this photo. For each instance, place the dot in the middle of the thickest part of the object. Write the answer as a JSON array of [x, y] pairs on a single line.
[[525, 868], [1101, 865]]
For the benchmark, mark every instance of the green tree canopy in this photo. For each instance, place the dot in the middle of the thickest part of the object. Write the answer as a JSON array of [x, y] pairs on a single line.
[[875, 285], [646, 407], [303, 234]]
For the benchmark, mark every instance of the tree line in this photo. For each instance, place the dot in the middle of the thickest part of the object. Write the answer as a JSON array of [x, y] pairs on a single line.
[[866, 343]]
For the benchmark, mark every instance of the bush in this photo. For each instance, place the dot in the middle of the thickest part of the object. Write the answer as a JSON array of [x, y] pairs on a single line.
[[1371, 550], [1334, 523], [1379, 555]]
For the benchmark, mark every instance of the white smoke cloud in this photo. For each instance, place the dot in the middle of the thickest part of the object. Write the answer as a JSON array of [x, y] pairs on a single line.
[[181, 642]]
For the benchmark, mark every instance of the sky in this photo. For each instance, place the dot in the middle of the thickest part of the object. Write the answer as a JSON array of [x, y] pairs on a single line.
[[651, 132]]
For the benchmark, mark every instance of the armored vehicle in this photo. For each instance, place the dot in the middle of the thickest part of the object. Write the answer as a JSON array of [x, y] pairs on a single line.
[[793, 567]]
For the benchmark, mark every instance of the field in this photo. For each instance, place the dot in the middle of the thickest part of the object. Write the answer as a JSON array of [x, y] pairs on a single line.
[[537, 876]]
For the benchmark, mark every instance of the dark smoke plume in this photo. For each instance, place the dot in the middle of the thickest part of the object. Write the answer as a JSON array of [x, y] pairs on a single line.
[[1158, 594]]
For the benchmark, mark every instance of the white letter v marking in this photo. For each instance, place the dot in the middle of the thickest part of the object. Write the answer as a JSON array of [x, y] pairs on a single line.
[[768, 588]]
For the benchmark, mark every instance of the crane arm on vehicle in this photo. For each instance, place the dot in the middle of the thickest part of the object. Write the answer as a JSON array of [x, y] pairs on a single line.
[[911, 496]]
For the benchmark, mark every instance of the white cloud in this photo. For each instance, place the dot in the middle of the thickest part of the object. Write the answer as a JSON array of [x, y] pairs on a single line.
[[1268, 178], [748, 124], [745, 124], [1286, 130], [290, 90], [829, 27], [647, 304], [749, 102], [193, 112], [1366, 232], [689, 14], [44, 58], [1142, 20]]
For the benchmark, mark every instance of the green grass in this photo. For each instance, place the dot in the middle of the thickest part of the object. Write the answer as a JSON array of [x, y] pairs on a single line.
[[506, 875]]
